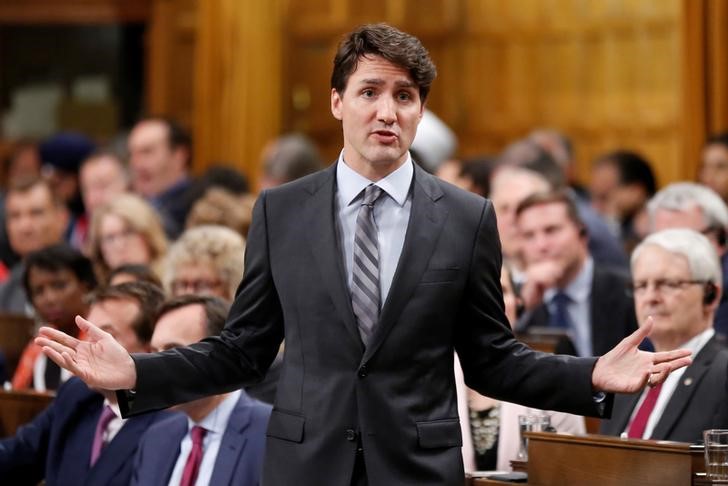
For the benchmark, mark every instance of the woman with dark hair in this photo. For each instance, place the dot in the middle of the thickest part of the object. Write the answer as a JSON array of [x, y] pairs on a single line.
[[56, 280]]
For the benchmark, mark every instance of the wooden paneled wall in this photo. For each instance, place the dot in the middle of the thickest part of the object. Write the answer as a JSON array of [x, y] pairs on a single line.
[[640, 74]]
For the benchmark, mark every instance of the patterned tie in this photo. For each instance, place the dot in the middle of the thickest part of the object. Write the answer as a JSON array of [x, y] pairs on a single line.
[[639, 424], [365, 295], [192, 466], [107, 415]]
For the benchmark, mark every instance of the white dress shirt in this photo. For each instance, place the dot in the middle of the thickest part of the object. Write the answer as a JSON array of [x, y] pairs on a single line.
[[215, 423], [391, 215]]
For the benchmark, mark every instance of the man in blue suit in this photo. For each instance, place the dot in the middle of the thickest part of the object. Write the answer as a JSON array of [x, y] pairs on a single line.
[[221, 439], [59, 445]]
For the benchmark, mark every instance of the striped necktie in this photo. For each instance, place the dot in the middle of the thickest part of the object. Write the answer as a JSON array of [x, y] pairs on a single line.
[[365, 294]]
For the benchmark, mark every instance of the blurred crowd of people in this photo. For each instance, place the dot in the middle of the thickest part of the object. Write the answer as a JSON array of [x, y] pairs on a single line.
[[129, 237]]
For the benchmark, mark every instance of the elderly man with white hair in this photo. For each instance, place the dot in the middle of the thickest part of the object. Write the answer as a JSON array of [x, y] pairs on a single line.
[[677, 282], [694, 206]]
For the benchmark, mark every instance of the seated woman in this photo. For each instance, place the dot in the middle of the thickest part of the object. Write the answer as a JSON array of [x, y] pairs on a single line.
[[57, 279], [126, 230], [491, 437]]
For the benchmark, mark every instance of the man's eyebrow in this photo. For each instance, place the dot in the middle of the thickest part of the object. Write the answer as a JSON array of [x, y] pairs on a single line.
[[405, 84], [374, 81]]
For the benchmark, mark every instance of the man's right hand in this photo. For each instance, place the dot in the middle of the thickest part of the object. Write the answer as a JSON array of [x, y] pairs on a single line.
[[100, 360], [539, 277]]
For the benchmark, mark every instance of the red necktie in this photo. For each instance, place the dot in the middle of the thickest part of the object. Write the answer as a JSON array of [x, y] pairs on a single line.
[[107, 416], [637, 427], [192, 466]]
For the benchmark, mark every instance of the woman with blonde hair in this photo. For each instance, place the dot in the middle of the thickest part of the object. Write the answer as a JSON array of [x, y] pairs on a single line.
[[207, 260], [126, 230]]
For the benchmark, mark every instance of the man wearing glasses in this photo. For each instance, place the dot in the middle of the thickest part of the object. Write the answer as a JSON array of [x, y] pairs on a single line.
[[694, 206], [677, 281]]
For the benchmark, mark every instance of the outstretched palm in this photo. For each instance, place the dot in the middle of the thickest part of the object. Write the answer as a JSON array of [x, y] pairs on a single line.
[[626, 369], [100, 360]]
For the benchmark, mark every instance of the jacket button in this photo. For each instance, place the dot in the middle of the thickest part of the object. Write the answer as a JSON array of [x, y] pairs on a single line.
[[363, 371], [350, 435]]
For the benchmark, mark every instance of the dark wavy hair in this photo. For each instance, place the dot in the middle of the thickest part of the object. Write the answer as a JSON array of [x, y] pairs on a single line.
[[395, 46]]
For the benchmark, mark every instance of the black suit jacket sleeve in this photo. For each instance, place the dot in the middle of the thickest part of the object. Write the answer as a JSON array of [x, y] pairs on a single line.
[[497, 365], [240, 356]]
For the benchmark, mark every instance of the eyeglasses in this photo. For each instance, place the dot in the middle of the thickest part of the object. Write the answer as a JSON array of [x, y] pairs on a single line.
[[181, 287], [664, 286], [120, 236]]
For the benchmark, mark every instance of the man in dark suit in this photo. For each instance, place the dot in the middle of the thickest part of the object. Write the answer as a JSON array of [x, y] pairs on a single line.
[[231, 426], [375, 272], [677, 280], [78, 439], [564, 288]]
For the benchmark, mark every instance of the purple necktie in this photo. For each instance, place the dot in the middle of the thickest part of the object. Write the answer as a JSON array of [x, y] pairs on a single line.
[[107, 415]]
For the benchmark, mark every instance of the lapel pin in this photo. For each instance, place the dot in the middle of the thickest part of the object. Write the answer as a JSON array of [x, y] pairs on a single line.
[[688, 381]]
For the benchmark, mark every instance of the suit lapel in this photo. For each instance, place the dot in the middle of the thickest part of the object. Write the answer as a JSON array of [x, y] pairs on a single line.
[[120, 450], [167, 445], [689, 382], [623, 407], [601, 312], [232, 445], [423, 230], [323, 238]]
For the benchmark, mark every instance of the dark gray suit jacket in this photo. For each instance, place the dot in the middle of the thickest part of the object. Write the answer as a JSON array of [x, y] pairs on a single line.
[[612, 312], [698, 403], [396, 397]]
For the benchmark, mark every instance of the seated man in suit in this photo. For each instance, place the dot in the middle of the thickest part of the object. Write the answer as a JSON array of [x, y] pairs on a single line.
[[677, 281], [221, 439], [694, 206], [563, 287], [80, 439]]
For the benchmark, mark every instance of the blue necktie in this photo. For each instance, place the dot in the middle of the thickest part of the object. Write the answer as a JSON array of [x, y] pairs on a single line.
[[559, 313]]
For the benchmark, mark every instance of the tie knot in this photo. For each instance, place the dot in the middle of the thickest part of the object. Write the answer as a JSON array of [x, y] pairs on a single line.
[[198, 434], [561, 298], [371, 194], [107, 415]]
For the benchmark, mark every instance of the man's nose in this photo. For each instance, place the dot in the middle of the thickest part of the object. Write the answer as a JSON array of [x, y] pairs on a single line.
[[386, 110]]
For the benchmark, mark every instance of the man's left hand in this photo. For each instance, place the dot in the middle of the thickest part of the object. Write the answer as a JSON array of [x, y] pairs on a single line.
[[626, 369]]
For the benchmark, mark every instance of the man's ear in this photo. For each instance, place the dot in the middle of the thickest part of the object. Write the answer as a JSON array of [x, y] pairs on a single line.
[[181, 156], [336, 103]]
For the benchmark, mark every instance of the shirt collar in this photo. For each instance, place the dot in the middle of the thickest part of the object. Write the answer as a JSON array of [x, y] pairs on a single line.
[[216, 421], [350, 183], [697, 342], [579, 289]]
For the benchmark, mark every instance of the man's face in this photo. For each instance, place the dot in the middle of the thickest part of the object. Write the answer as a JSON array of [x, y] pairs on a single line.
[[33, 220], [180, 327], [678, 312], [690, 218], [547, 234], [57, 296], [101, 180], [117, 316], [714, 169], [154, 165], [379, 110], [507, 192]]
